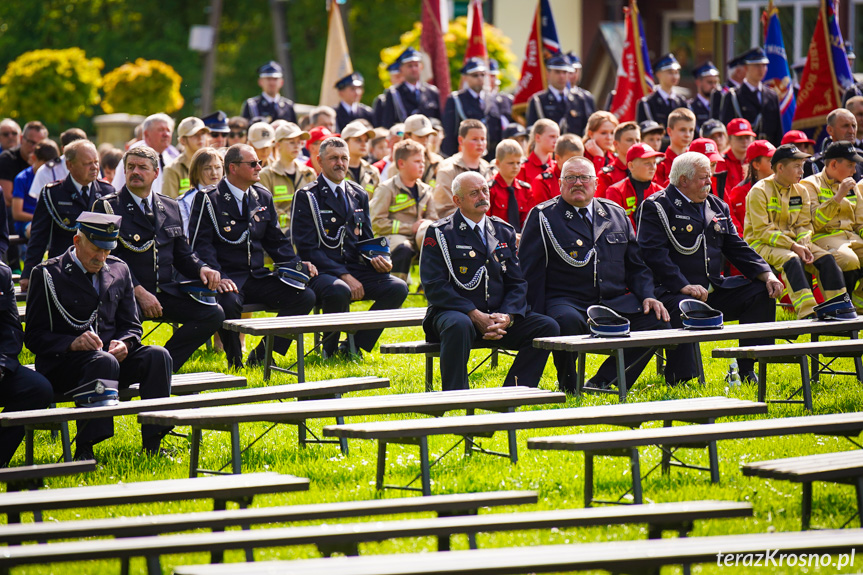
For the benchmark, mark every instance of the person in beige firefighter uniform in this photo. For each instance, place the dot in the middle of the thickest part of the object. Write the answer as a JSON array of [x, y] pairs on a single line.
[[358, 135], [472, 143], [837, 212], [289, 172], [402, 207], [778, 226], [419, 129], [192, 133]]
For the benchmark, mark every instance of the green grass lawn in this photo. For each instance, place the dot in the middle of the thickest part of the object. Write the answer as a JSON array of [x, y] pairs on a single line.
[[557, 476]]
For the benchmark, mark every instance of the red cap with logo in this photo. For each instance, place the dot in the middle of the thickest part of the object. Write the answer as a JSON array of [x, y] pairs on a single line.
[[740, 127], [796, 137], [319, 134], [759, 148], [707, 147], [639, 151]]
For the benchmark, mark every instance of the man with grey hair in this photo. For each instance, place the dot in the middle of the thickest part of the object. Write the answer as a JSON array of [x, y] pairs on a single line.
[[158, 129], [10, 134], [323, 116], [841, 127], [329, 224], [60, 204], [476, 290], [684, 233]]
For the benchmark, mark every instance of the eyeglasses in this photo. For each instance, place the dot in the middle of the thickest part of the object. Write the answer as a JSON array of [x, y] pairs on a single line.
[[31, 142], [574, 178], [252, 163], [9, 134], [237, 134]]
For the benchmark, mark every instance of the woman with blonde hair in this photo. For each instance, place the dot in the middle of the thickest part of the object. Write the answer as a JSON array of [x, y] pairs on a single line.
[[205, 171], [599, 139], [540, 157]]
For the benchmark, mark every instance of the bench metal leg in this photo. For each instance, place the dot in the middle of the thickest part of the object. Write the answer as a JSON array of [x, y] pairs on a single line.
[[352, 346], [588, 479], [859, 493], [666, 453], [124, 565], [429, 372], [807, 388], [806, 507], [268, 356], [301, 358], [621, 376], [424, 465], [382, 464], [713, 455], [67, 443], [343, 441], [635, 470], [236, 450], [154, 565], [513, 445], [494, 358], [28, 446], [762, 380], [218, 556], [582, 368], [700, 365], [468, 440], [195, 452], [660, 361]]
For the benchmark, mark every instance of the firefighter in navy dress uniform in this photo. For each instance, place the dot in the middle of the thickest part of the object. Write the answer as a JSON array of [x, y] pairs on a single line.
[[684, 233], [658, 105], [567, 108], [476, 290], [329, 225], [269, 104], [83, 326], [349, 107], [231, 227], [412, 96], [706, 84], [577, 251], [153, 244], [754, 101]]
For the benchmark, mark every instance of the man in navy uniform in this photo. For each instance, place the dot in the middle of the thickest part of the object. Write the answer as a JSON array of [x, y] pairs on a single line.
[[270, 104], [60, 204], [468, 103], [557, 103], [658, 105], [754, 101], [153, 245], [394, 70], [685, 233], [591, 243], [329, 218], [21, 389], [82, 325], [706, 83], [476, 290], [217, 122], [350, 108], [412, 96], [576, 124], [231, 227]]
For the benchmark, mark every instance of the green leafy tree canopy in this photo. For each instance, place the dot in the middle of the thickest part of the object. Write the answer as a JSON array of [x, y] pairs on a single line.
[[142, 87]]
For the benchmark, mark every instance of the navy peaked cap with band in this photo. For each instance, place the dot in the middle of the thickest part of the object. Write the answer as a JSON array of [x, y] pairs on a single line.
[[101, 229]]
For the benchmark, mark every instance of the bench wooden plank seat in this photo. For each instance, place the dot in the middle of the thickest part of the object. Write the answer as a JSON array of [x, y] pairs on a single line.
[[438, 403], [58, 417], [797, 353], [669, 439], [432, 350], [295, 327], [654, 339], [22, 312], [843, 467], [345, 537], [33, 476], [633, 557], [417, 432]]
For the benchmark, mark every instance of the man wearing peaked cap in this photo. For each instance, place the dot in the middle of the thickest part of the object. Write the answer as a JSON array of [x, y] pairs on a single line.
[[754, 101], [351, 89], [395, 74], [270, 104], [412, 96], [573, 84], [471, 102], [658, 105], [557, 103], [217, 123], [706, 83], [193, 134], [83, 325]]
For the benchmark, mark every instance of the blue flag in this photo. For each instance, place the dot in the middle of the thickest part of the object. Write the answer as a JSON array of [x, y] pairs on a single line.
[[778, 74]]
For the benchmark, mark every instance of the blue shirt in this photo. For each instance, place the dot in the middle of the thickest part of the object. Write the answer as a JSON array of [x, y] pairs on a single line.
[[21, 189]]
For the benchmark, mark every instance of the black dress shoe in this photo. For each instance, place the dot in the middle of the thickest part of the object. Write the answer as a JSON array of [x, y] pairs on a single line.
[[748, 377], [83, 452], [599, 384], [256, 357]]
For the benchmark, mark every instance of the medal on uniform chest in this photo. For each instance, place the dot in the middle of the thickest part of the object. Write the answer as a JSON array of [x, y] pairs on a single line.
[[227, 228], [568, 215], [66, 221], [462, 226], [136, 237], [689, 227], [579, 243], [357, 231], [462, 269], [233, 223], [717, 227], [333, 220], [472, 254], [673, 228]]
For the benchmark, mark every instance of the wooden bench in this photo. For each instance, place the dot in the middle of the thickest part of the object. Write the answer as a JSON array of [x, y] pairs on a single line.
[[438, 403], [844, 467], [295, 327], [633, 557], [345, 537], [669, 439], [33, 477], [59, 417], [417, 432], [585, 344], [797, 353], [22, 312], [432, 350]]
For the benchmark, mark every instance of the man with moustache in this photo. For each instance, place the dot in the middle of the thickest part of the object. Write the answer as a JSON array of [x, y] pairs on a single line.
[[476, 290]]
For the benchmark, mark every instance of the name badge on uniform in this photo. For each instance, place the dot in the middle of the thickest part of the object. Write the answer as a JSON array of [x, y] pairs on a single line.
[[463, 247], [795, 201], [681, 217]]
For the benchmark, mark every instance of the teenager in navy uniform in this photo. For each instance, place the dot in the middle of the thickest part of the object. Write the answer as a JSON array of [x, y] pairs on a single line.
[[577, 251], [153, 244], [706, 83], [394, 70], [231, 227], [60, 204], [569, 109], [576, 124], [330, 217], [658, 105], [21, 389], [82, 325], [754, 101], [476, 290], [270, 104], [350, 108], [685, 234], [412, 96], [470, 103]]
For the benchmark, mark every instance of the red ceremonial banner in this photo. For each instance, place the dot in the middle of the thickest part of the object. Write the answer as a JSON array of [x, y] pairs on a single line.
[[632, 80]]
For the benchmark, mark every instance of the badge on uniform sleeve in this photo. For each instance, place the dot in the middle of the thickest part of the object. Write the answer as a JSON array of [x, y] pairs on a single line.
[[579, 243], [689, 227], [462, 269]]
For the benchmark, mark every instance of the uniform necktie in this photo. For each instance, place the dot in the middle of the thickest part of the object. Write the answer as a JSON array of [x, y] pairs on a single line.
[[85, 195], [343, 197], [161, 163], [585, 217], [145, 207], [512, 214], [478, 229], [245, 204]]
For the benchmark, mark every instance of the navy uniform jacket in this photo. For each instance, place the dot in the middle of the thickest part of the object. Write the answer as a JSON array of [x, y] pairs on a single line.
[[11, 333], [401, 102], [171, 246], [49, 335], [471, 108], [616, 276], [571, 112], [328, 254], [765, 117], [702, 112], [502, 290], [673, 270], [655, 107], [235, 244], [283, 109], [345, 117], [62, 201]]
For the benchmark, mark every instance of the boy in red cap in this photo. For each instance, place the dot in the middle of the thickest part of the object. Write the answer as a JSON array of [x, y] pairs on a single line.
[[316, 136], [740, 136], [803, 142], [681, 131], [758, 156], [641, 162]]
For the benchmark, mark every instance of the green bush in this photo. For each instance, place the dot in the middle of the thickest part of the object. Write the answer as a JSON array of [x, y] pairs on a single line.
[[51, 85], [456, 40], [143, 87]]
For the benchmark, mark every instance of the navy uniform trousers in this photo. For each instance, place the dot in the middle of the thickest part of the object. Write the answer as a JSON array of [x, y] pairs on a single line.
[[21, 390]]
